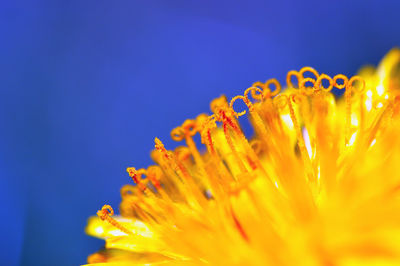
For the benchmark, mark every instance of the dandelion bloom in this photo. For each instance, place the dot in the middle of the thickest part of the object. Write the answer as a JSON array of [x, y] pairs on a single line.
[[317, 184]]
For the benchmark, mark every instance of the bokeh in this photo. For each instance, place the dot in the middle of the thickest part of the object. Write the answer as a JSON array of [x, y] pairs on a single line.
[[85, 86]]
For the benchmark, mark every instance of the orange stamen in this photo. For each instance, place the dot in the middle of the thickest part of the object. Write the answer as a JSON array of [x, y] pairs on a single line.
[[105, 214]]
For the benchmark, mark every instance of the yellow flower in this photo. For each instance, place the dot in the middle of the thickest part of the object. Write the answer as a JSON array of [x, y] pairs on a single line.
[[317, 184]]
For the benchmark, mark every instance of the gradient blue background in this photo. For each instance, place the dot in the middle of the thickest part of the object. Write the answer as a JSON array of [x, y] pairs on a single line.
[[87, 85]]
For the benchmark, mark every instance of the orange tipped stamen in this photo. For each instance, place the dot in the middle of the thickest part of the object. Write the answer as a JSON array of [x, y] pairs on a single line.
[[105, 214], [136, 176]]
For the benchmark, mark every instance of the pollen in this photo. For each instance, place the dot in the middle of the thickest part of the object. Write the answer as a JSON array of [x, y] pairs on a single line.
[[316, 185]]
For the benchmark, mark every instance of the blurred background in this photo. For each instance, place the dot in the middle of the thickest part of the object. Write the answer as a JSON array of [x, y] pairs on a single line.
[[85, 86]]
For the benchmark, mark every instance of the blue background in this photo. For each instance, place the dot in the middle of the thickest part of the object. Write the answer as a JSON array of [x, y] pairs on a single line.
[[87, 85]]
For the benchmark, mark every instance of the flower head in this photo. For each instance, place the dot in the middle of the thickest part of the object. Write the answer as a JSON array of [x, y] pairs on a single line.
[[317, 184]]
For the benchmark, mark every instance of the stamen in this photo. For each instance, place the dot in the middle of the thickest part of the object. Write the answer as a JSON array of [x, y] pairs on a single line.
[[105, 214], [232, 146], [307, 90], [289, 76], [347, 94], [299, 135], [182, 172], [136, 176], [253, 159], [206, 135], [234, 99], [268, 92], [153, 174], [228, 121], [318, 83], [216, 161], [170, 158], [188, 129], [127, 190], [308, 69]]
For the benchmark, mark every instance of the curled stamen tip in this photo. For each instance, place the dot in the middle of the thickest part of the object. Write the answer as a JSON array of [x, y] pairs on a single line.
[[309, 69], [307, 90], [105, 211], [255, 92], [355, 79], [277, 85], [234, 99], [319, 85], [177, 134], [190, 127], [289, 77], [342, 78]]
